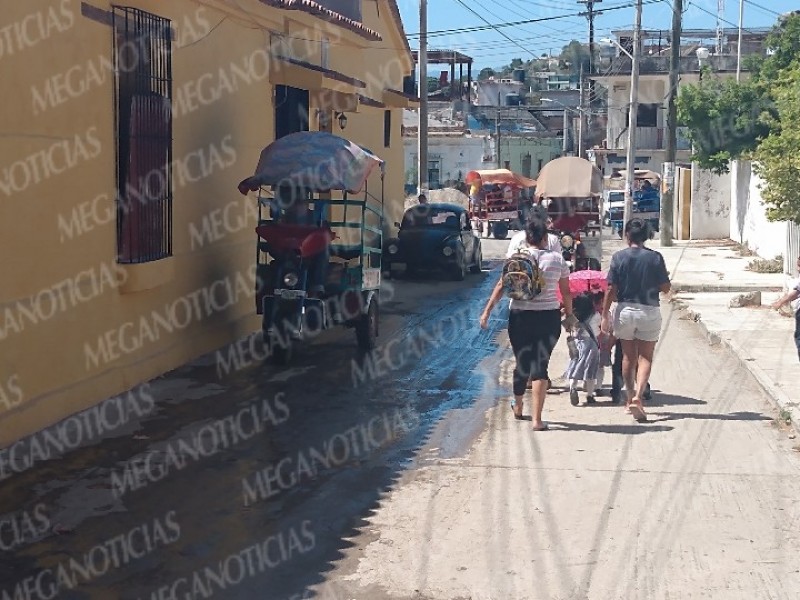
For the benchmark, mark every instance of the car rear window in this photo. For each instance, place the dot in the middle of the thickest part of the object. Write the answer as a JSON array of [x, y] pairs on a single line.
[[430, 217]]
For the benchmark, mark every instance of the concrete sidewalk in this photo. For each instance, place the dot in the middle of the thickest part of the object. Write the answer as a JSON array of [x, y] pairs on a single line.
[[706, 276]]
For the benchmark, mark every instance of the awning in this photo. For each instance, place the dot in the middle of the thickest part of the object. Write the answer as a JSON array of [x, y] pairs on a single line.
[[499, 177], [334, 101], [398, 99], [371, 102], [640, 174], [308, 76], [569, 177]]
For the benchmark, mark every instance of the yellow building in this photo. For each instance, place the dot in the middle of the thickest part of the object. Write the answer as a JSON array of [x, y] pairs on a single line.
[[100, 291]]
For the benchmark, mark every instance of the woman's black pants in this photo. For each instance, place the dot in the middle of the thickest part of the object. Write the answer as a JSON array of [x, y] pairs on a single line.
[[533, 335], [797, 331]]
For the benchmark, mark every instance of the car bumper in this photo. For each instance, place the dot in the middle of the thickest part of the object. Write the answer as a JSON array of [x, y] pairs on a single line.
[[424, 263]]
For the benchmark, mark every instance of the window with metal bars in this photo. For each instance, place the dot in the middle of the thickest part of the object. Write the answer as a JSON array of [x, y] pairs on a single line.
[[143, 118]]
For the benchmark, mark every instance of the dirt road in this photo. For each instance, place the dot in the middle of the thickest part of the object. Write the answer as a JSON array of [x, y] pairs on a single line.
[[702, 502], [402, 475]]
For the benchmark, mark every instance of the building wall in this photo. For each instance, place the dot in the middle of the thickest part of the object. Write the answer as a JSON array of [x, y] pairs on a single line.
[[78, 327], [683, 203], [493, 93], [652, 90], [748, 217], [457, 156], [711, 205], [515, 149]]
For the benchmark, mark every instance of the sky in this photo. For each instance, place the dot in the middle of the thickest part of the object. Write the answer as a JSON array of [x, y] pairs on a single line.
[[493, 48]]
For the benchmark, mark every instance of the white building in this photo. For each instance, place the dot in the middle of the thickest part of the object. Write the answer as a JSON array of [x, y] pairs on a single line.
[[498, 92], [654, 67]]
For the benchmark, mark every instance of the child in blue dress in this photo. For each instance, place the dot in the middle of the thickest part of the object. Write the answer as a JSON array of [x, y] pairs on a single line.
[[584, 363]]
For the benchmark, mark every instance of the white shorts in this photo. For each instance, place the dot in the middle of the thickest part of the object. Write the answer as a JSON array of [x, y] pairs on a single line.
[[637, 322]]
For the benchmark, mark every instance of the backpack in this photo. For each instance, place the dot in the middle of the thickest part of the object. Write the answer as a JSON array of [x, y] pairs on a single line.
[[523, 279]]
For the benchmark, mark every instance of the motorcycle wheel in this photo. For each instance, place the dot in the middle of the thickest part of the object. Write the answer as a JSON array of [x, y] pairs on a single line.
[[367, 327]]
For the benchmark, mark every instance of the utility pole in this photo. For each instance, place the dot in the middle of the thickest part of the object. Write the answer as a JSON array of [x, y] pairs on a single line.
[[497, 138], [565, 141], [632, 113], [422, 130], [666, 219], [739, 45], [581, 116], [590, 15]]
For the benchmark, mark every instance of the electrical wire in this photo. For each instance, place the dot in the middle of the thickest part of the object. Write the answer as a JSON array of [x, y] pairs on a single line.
[[708, 12], [440, 32], [764, 8], [482, 18]]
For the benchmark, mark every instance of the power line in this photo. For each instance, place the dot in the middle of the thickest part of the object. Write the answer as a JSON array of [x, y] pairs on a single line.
[[708, 12], [764, 8], [495, 26], [464, 4]]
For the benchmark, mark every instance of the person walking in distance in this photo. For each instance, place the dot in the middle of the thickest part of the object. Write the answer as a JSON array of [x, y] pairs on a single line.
[[636, 276], [791, 298], [534, 325]]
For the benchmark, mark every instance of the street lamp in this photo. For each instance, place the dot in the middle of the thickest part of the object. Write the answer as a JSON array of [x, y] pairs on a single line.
[[702, 57], [610, 42]]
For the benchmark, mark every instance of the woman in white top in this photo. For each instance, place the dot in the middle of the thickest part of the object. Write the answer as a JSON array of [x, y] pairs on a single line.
[[534, 326]]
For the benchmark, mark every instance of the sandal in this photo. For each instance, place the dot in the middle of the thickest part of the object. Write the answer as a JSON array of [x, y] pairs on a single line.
[[637, 411], [543, 427], [517, 415]]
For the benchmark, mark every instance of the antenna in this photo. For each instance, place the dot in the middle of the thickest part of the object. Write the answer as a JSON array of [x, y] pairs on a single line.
[[720, 19]]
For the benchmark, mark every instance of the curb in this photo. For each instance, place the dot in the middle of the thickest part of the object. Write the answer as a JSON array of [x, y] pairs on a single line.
[[775, 393], [705, 288]]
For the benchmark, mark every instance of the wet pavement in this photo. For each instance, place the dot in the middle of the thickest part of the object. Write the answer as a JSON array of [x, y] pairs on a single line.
[[241, 479]]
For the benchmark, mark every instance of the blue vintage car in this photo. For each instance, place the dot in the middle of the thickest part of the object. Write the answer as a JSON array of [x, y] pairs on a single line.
[[434, 237]]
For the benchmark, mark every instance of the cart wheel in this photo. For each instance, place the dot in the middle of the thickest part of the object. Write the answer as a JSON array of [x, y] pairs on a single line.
[[367, 327], [500, 231]]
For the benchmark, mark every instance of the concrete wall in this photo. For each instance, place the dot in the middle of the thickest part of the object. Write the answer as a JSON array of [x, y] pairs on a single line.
[[457, 155], [711, 205], [748, 216], [683, 203], [516, 149], [493, 92], [76, 326]]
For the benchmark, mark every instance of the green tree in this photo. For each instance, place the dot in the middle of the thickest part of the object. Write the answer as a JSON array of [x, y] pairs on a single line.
[[726, 120], [758, 119], [784, 46], [577, 55], [778, 156]]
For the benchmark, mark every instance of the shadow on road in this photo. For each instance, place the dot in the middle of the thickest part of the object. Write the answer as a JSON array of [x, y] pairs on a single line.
[[633, 429]]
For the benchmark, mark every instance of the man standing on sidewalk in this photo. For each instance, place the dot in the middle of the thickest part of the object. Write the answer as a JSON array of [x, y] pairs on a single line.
[[792, 297]]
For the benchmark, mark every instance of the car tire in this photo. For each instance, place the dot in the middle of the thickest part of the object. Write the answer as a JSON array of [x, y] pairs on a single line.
[[478, 266], [460, 270]]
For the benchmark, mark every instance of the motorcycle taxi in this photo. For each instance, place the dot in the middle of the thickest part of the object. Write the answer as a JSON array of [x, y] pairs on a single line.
[[318, 258]]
